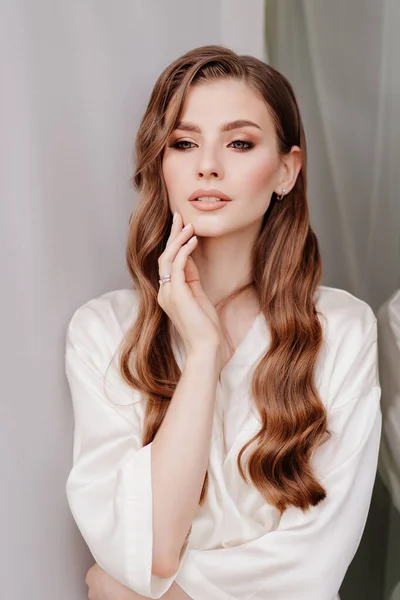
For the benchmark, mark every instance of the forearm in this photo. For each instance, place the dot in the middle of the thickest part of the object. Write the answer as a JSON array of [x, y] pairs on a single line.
[[104, 587], [180, 454], [175, 592]]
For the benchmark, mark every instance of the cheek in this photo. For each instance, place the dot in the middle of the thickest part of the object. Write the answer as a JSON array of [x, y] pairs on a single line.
[[261, 175], [171, 173]]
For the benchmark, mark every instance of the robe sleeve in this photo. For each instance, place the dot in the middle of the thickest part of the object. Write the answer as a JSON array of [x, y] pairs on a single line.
[[109, 488], [307, 555]]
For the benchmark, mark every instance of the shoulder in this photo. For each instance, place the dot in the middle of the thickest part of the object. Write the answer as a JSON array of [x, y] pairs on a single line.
[[98, 325], [343, 313], [347, 365]]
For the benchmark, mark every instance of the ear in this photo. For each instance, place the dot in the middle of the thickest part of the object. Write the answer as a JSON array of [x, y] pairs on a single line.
[[289, 170]]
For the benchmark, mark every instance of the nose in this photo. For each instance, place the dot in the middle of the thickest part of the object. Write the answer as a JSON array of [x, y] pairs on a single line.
[[209, 166], [205, 174]]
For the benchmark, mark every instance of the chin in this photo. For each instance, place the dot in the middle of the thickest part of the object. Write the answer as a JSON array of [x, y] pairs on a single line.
[[215, 229]]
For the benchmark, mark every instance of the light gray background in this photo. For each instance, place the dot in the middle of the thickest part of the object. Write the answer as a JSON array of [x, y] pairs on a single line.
[[75, 78]]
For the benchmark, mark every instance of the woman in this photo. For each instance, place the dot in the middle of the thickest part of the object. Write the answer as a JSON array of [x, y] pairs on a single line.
[[244, 467]]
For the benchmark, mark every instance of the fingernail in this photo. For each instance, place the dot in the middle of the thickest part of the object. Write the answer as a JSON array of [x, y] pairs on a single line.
[[186, 226], [175, 215]]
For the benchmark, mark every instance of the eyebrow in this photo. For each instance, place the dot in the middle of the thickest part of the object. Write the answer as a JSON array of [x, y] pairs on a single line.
[[185, 126]]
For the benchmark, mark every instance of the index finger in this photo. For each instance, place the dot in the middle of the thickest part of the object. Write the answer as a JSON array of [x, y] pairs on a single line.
[[175, 229]]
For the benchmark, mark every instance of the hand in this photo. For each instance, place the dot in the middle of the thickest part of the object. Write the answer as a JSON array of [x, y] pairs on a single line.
[[104, 587], [183, 298]]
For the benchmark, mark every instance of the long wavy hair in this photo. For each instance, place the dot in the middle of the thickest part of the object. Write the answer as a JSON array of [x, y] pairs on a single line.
[[286, 270]]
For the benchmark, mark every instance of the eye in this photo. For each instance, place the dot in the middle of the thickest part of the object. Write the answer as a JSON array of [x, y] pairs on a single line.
[[178, 145], [249, 145]]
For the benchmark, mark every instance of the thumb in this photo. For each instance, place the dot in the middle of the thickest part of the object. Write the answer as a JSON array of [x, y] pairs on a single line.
[[192, 277]]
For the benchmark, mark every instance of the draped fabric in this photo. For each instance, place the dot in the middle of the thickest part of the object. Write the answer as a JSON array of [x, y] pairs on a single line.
[[240, 546], [75, 80], [342, 59]]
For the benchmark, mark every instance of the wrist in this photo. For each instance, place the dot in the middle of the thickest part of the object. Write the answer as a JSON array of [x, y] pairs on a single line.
[[203, 357]]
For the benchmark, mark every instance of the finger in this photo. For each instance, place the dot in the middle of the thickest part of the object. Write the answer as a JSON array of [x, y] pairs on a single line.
[[192, 278], [176, 227], [168, 256], [178, 273], [191, 271], [178, 265]]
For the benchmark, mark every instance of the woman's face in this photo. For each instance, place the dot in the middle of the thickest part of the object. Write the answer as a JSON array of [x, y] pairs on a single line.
[[243, 162]]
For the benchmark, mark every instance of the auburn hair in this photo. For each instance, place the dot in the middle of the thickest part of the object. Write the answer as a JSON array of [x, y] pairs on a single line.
[[286, 270]]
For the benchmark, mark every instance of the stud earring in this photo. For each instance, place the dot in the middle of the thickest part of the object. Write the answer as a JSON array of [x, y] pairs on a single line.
[[283, 192]]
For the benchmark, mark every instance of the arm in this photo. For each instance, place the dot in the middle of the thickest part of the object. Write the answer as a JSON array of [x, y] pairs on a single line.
[[101, 586], [307, 555], [179, 457], [109, 488]]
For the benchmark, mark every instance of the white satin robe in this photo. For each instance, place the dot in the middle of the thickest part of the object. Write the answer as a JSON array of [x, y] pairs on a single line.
[[239, 547]]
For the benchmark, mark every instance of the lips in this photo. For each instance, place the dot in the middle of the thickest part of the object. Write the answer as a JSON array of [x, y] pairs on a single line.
[[213, 192], [209, 206]]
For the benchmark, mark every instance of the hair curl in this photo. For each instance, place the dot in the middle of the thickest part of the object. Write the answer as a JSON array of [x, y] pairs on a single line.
[[286, 270]]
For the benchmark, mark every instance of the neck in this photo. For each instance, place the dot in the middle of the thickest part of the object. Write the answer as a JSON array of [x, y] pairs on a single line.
[[224, 263]]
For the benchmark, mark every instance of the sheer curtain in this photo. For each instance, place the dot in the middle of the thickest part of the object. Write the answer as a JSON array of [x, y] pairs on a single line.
[[342, 59], [389, 459], [75, 80]]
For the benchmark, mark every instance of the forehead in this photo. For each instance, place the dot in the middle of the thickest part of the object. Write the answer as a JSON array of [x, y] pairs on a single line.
[[211, 104]]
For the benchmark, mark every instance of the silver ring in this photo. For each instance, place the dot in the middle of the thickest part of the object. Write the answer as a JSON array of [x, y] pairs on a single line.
[[164, 279]]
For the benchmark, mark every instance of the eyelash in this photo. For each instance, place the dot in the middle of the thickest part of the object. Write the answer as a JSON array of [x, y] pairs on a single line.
[[175, 145]]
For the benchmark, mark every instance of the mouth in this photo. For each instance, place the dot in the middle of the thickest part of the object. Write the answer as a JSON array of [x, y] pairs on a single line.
[[209, 204], [210, 196], [209, 200]]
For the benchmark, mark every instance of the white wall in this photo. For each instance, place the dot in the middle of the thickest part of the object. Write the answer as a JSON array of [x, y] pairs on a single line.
[[75, 78]]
